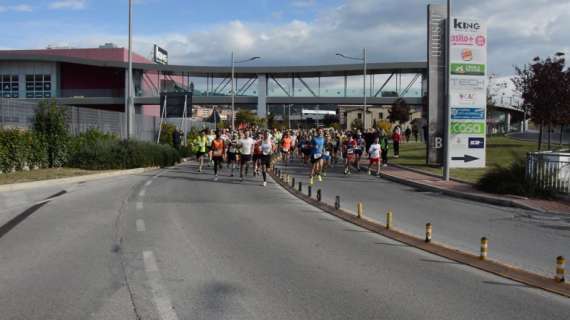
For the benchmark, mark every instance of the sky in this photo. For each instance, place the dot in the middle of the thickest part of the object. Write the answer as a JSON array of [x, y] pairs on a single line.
[[284, 32]]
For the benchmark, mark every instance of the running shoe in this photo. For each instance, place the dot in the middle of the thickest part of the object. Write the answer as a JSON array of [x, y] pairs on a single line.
[[369, 172], [216, 178], [264, 184]]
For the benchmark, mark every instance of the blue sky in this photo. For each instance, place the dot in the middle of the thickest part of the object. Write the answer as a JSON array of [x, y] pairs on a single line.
[[283, 31]]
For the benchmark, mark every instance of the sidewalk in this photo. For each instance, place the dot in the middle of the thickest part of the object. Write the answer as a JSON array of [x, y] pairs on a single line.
[[467, 191]]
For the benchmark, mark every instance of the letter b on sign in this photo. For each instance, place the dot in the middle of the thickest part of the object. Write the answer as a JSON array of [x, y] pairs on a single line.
[[438, 142]]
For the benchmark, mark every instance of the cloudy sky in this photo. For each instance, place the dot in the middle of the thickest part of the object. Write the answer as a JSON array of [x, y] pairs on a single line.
[[286, 32]]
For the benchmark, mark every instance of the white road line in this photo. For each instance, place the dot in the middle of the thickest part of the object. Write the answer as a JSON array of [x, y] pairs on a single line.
[[161, 298], [139, 205], [148, 183], [142, 193], [140, 225]]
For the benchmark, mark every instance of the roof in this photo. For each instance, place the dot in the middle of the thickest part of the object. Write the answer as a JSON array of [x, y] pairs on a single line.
[[117, 57]]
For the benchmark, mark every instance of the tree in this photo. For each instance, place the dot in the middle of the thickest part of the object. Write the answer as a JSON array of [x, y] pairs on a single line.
[[329, 120], [399, 112], [544, 88], [356, 124], [247, 117]]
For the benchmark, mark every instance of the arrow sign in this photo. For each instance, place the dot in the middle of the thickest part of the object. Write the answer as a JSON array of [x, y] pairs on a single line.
[[466, 158]]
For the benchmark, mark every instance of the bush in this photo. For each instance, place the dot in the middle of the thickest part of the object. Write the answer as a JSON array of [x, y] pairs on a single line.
[[50, 129], [512, 180], [108, 152]]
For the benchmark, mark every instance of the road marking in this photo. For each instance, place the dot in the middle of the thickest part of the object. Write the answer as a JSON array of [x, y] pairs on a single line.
[[142, 193], [140, 225], [148, 183], [161, 298], [139, 205]]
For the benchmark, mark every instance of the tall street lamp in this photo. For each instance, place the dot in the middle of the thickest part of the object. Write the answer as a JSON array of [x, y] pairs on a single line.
[[234, 62], [364, 60], [129, 102]]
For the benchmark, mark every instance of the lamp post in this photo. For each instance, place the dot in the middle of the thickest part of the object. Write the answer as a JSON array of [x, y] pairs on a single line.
[[364, 61], [129, 102], [234, 62]]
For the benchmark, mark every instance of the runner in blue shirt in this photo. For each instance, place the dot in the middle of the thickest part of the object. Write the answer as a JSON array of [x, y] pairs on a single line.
[[317, 149]]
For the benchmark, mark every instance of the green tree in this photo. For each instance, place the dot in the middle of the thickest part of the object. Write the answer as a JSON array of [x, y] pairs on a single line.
[[399, 112], [50, 128], [544, 88], [356, 124]]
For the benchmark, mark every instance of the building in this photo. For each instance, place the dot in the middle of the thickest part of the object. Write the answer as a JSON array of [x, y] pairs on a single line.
[[375, 114], [63, 73]]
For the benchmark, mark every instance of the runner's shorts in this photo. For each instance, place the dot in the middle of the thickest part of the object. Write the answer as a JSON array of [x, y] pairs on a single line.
[[245, 158], [266, 160], [315, 160], [374, 161], [231, 156], [200, 154]]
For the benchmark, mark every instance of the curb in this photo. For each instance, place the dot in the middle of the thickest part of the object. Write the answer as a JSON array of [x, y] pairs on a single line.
[[462, 195], [54, 182], [491, 266]]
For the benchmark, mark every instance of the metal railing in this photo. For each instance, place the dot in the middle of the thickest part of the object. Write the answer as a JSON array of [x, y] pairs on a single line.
[[20, 114], [549, 170]]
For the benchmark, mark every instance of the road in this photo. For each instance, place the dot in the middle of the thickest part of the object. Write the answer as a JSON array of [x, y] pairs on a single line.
[[534, 135], [173, 244], [518, 237]]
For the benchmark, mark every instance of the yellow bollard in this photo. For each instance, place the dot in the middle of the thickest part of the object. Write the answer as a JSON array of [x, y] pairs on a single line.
[[359, 210], [484, 248], [389, 219], [560, 261], [428, 232]]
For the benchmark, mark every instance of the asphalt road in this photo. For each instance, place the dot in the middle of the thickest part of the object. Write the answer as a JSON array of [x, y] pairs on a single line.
[[176, 245]]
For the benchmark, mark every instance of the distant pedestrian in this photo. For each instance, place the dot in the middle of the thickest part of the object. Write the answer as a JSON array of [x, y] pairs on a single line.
[[385, 146], [408, 133], [396, 139], [415, 132]]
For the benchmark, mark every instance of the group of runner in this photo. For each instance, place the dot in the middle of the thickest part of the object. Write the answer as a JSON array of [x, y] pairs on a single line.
[[319, 148]]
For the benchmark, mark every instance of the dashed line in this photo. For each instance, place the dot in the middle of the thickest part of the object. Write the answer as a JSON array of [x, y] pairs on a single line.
[[142, 193], [140, 205], [140, 225], [161, 298]]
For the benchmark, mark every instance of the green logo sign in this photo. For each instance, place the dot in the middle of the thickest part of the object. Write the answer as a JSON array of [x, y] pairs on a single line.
[[467, 127], [468, 69]]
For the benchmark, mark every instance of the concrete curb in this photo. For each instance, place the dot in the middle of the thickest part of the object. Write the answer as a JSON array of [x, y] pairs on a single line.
[[55, 182], [462, 195], [494, 267]]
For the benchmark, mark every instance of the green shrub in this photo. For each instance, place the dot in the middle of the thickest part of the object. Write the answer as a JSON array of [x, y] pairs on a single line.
[[166, 134], [108, 152], [51, 129], [512, 180]]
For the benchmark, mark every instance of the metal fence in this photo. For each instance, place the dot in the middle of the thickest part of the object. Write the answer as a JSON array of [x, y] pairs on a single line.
[[20, 114], [550, 170]]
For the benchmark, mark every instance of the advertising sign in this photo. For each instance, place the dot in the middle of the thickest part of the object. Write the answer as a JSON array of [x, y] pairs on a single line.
[[467, 93], [160, 55], [175, 104]]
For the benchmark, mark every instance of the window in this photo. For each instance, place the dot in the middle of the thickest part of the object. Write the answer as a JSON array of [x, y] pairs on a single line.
[[38, 86], [9, 87]]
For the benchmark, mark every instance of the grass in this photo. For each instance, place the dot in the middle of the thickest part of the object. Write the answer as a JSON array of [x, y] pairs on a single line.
[[42, 174], [501, 150]]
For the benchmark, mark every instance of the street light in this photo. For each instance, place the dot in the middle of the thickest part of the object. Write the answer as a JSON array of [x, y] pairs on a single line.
[[364, 60], [129, 102], [234, 62]]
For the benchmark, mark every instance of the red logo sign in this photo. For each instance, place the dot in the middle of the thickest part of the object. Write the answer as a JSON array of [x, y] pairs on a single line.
[[480, 41]]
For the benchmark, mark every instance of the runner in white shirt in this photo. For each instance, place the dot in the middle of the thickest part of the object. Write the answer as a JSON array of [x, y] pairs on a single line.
[[246, 148], [267, 148], [374, 154]]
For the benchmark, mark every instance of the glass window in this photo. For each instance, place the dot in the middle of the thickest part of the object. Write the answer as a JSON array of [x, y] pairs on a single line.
[[9, 86], [38, 86]]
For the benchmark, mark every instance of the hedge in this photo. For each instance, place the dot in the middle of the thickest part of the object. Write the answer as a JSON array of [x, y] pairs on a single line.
[[21, 150]]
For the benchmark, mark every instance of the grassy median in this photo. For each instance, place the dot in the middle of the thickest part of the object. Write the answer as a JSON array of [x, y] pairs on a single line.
[[501, 150], [43, 174]]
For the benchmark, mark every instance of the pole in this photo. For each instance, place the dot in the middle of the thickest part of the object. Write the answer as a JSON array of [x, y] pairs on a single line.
[[364, 88], [184, 118], [128, 107], [446, 175], [233, 93], [289, 117]]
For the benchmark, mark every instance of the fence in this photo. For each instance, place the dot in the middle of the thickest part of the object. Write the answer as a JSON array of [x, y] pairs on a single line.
[[550, 170]]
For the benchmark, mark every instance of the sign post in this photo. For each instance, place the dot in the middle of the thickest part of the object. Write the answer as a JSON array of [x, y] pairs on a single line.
[[467, 99]]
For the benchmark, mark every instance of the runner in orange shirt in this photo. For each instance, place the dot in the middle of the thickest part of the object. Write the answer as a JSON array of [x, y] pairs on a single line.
[[286, 145], [218, 149]]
